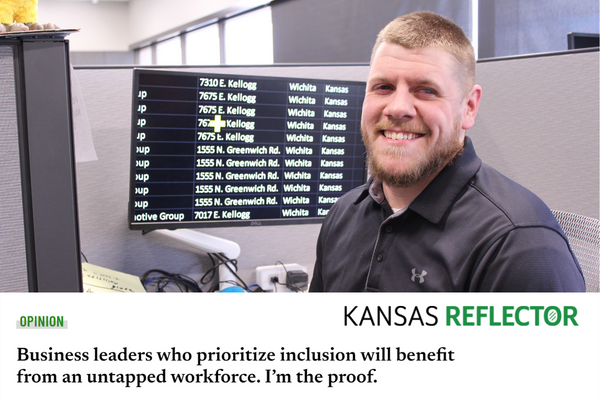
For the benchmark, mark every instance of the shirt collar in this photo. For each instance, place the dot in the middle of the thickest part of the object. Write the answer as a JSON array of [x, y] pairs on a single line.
[[433, 202]]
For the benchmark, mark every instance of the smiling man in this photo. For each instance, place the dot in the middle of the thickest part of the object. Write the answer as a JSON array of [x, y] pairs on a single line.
[[432, 216]]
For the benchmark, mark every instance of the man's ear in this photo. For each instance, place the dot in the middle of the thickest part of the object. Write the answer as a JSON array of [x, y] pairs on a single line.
[[470, 107]]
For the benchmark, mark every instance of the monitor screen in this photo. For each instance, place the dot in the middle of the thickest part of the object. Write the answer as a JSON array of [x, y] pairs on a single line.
[[226, 150]]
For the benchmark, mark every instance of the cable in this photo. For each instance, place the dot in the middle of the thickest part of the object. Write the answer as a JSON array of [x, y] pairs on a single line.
[[219, 259], [289, 285], [164, 279], [210, 273], [257, 290], [226, 261]]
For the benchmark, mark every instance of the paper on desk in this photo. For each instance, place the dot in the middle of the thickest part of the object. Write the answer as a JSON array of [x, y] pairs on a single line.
[[100, 280], [82, 133]]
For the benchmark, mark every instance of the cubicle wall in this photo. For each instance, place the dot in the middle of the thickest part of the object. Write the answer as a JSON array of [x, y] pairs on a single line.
[[538, 124], [39, 239], [13, 261]]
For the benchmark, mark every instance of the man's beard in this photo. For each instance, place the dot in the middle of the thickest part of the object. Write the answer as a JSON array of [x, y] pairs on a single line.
[[422, 166]]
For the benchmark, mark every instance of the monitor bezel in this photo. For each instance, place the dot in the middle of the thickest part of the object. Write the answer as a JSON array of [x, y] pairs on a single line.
[[574, 43]]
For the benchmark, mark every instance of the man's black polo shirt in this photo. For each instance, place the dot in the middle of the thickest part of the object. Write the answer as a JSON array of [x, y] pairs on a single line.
[[471, 229]]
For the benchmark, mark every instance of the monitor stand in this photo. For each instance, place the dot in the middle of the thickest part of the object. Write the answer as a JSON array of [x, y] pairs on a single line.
[[210, 244]]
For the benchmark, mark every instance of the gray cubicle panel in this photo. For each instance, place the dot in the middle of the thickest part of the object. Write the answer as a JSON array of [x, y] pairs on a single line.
[[13, 262], [39, 239], [537, 123]]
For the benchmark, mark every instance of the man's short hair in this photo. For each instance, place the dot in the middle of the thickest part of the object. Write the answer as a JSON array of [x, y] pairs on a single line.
[[427, 29]]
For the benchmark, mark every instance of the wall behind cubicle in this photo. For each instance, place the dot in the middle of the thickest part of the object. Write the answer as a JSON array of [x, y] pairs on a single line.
[[538, 124]]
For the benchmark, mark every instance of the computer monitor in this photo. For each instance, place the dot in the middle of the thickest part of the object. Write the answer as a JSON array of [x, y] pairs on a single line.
[[227, 150], [578, 40]]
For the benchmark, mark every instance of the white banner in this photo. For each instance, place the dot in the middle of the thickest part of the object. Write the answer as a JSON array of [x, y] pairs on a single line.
[[324, 346]]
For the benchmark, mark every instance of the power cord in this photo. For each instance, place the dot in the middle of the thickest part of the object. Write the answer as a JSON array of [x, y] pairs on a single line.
[[163, 279], [220, 259], [296, 281]]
